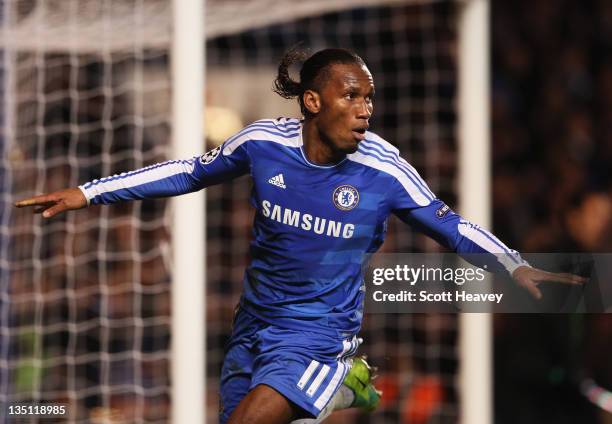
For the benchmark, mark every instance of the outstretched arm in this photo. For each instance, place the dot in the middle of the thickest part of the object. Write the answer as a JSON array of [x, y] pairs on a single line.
[[466, 238], [171, 178], [432, 217]]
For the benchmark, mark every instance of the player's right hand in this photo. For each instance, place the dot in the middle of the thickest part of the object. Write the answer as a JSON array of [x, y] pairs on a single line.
[[53, 203]]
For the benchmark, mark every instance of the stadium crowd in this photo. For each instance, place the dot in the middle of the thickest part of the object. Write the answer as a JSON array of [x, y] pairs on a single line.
[[552, 187], [552, 125]]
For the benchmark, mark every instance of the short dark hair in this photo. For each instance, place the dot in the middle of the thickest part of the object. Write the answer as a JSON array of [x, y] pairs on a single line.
[[313, 73]]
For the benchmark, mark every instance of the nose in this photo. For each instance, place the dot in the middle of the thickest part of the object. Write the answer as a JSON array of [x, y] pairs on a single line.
[[365, 110]]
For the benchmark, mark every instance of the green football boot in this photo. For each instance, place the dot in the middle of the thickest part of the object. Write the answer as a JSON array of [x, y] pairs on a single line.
[[359, 380]]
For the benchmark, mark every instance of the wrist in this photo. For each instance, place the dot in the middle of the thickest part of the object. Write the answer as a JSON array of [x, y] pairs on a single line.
[[519, 269], [84, 194]]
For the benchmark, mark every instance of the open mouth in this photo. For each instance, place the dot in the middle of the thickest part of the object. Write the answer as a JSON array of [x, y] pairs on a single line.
[[359, 133]]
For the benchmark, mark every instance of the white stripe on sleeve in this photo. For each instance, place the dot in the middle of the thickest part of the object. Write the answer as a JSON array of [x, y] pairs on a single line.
[[508, 258], [136, 178]]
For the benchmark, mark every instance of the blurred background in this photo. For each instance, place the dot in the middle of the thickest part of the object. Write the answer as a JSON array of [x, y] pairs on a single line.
[[552, 186], [85, 298]]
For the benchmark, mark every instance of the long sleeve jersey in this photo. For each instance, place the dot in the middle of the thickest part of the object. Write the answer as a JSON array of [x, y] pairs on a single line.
[[315, 225]]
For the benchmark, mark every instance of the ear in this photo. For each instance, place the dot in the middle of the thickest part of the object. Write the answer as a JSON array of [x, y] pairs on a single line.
[[312, 101]]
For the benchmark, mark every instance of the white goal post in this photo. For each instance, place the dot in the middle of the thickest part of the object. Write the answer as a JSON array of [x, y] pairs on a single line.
[[188, 226], [475, 344]]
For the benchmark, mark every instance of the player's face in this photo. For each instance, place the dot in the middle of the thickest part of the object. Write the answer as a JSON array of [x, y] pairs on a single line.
[[346, 107]]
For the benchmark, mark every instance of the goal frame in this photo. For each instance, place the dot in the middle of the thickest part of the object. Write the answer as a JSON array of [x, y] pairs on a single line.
[[189, 218]]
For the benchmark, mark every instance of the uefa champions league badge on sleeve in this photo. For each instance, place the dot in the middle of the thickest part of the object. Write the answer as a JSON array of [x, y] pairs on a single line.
[[442, 211], [209, 156], [345, 197]]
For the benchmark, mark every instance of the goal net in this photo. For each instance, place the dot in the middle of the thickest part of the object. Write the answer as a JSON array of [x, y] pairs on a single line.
[[85, 298]]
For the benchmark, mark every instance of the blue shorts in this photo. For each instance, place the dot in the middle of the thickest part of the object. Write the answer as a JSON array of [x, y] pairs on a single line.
[[305, 367]]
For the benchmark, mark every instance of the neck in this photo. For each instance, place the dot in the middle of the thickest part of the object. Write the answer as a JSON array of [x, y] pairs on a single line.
[[316, 148]]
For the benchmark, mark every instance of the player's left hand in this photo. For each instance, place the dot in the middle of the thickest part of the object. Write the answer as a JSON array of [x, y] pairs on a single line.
[[529, 278]]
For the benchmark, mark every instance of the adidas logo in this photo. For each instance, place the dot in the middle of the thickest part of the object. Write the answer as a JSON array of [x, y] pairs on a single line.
[[278, 181]]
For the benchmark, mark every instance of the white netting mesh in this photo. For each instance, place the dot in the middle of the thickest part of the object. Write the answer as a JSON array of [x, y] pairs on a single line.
[[84, 299]]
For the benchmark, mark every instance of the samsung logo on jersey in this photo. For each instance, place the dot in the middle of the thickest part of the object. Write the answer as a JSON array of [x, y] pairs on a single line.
[[306, 221]]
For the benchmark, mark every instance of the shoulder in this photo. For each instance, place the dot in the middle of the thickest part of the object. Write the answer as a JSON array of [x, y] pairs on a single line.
[[374, 141], [284, 131], [377, 153]]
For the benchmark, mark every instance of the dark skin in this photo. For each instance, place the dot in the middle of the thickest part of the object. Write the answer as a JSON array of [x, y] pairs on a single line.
[[339, 114], [264, 405]]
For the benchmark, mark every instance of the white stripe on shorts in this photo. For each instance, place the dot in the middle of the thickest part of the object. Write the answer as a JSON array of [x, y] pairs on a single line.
[[331, 387], [318, 380], [307, 374], [349, 347]]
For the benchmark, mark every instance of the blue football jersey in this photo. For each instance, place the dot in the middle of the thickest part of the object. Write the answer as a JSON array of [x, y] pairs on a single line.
[[315, 225]]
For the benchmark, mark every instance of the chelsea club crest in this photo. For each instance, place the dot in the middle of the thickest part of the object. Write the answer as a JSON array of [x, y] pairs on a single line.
[[345, 197]]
